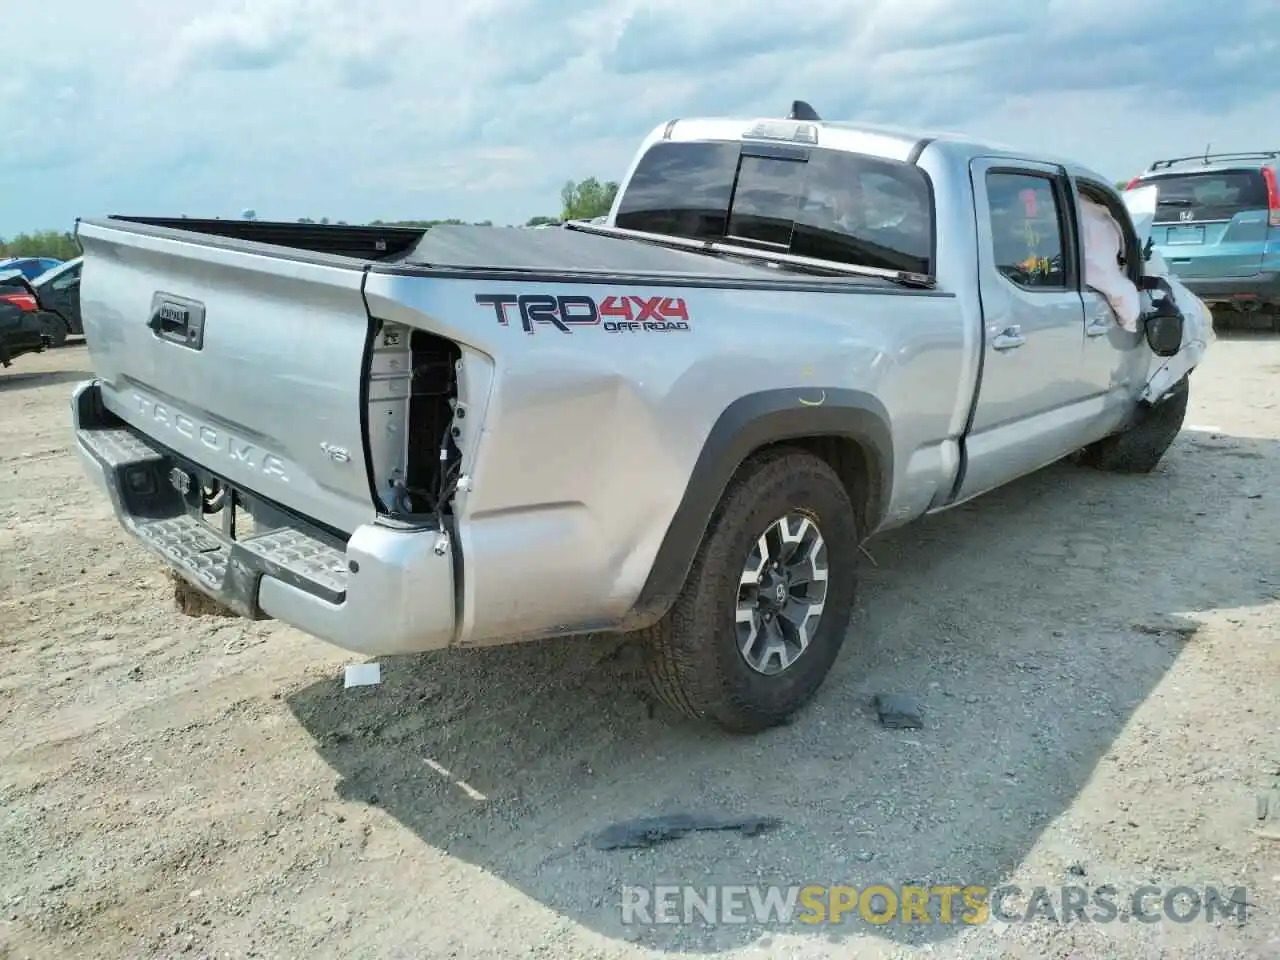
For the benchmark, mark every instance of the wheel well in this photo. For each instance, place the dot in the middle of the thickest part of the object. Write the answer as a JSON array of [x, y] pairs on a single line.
[[854, 464]]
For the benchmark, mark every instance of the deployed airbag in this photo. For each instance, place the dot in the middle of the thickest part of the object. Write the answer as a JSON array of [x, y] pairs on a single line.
[[1103, 245]]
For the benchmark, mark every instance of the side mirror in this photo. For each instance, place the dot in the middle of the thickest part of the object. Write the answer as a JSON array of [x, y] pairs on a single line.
[[1163, 324]]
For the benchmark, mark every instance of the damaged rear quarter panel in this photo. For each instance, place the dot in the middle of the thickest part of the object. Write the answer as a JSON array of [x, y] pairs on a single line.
[[590, 433]]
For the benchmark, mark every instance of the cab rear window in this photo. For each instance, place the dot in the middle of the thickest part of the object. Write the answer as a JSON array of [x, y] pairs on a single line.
[[1212, 195], [826, 204]]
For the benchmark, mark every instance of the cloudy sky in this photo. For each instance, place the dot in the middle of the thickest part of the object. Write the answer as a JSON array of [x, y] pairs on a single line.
[[399, 109]]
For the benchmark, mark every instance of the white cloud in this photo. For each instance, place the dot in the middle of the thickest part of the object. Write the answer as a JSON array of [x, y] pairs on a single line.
[[426, 108], [246, 35]]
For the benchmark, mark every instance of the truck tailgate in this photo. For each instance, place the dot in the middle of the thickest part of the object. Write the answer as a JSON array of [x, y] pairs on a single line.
[[246, 363]]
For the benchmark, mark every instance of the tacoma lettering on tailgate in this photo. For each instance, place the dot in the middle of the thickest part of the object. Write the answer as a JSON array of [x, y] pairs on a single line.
[[211, 438], [617, 313]]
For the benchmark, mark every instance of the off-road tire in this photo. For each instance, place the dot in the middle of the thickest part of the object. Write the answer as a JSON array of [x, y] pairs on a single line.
[[1140, 446], [692, 657]]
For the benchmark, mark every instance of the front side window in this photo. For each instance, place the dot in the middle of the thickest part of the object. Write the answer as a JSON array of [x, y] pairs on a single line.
[[1027, 230], [825, 204]]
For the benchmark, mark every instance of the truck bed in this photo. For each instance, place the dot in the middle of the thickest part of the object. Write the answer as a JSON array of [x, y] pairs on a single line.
[[341, 383], [479, 249], [555, 250]]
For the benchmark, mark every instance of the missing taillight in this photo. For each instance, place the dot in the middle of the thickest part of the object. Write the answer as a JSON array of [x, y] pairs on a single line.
[[432, 460], [413, 421]]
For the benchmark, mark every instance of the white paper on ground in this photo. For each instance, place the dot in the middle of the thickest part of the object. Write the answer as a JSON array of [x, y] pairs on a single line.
[[362, 675]]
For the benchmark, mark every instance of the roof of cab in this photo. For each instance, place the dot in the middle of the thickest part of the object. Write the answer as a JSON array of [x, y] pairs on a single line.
[[890, 142]]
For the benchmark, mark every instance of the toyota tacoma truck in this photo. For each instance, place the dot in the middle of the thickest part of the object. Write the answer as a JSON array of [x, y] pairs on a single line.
[[788, 335]]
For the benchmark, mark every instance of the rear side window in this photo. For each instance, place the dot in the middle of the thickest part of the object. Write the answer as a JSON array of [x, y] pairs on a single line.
[[1208, 196], [826, 204]]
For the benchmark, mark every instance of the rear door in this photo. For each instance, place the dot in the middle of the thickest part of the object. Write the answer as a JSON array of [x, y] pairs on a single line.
[[1034, 404], [246, 363], [1211, 223]]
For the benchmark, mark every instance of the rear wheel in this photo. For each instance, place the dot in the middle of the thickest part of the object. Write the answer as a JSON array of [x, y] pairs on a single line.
[[764, 612], [1140, 446], [56, 329]]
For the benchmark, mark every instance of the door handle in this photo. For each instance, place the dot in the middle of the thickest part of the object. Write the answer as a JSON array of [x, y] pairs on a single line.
[[1098, 327], [1008, 339]]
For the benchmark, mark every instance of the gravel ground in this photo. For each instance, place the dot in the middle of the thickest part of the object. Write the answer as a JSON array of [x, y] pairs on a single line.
[[204, 787]]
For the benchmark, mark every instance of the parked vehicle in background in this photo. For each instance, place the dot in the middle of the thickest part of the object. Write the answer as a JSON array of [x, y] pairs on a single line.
[[1217, 225], [58, 294], [786, 336], [21, 330], [29, 267]]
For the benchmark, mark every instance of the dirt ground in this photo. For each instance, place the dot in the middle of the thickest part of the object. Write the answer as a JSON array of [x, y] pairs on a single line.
[[205, 787]]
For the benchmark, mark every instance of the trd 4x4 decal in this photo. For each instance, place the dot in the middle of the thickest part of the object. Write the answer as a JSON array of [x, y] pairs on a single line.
[[620, 313]]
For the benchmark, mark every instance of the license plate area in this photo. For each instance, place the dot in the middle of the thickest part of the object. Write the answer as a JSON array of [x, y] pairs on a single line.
[[178, 320], [1184, 236], [224, 507]]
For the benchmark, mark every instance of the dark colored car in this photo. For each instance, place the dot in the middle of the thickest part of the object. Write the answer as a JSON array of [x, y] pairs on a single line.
[[58, 294], [29, 267], [21, 328]]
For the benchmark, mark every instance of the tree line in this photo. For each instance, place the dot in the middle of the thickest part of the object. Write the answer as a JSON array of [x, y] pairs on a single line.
[[579, 200]]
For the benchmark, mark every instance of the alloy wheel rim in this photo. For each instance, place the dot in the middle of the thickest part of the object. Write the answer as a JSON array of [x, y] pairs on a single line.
[[781, 594]]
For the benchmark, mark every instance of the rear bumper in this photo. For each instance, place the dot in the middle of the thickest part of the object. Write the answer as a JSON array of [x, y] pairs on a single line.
[[384, 591], [26, 336], [1260, 286]]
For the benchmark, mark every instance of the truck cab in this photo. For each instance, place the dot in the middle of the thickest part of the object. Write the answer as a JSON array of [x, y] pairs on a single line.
[[1046, 368]]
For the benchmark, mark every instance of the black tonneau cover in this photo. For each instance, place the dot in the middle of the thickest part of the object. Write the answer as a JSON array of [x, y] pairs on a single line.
[[515, 250], [560, 249]]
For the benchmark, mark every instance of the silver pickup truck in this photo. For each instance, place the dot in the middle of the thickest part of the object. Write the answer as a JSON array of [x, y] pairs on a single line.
[[787, 336]]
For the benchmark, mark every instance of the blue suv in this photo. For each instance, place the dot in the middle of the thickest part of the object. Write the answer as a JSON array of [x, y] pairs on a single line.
[[1217, 225]]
